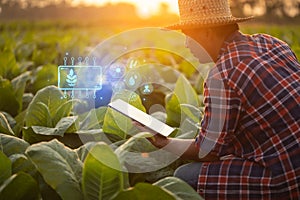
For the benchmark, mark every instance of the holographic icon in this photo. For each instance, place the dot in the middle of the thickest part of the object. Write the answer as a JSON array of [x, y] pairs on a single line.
[[133, 63], [72, 94], [147, 89], [79, 77], [117, 70], [71, 78], [133, 80]]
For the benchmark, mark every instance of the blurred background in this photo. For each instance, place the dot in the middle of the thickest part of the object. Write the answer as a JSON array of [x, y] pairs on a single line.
[[137, 12], [36, 35]]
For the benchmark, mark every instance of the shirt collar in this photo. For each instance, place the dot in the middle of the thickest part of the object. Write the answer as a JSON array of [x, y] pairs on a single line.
[[227, 41]]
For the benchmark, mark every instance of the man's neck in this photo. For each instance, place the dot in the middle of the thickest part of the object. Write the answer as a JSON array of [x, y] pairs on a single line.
[[215, 47]]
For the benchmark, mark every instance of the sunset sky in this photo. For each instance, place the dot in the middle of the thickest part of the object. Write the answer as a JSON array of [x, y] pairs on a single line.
[[145, 7]]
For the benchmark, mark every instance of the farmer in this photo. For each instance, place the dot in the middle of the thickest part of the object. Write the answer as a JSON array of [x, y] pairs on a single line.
[[248, 145]]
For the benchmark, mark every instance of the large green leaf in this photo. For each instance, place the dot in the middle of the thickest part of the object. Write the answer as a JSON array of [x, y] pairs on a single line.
[[19, 186], [183, 93], [20, 162], [19, 84], [173, 110], [78, 138], [26, 99], [8, 65], [44, 76], [20, 120], [136, 155], [35, 134], [63, 110], [115, 122], [102, 177], [11, 121], [179, 188], [4, 125], [145, 191], [59, 166], [31, 137], [47, 192], [92, 119], [12, 145], [5, 167], [58, 130], [84, 150], [37, 115], [8, 101], [190, 121]]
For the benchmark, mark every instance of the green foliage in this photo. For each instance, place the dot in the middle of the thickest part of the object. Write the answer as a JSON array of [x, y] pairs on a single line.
[[44, 76], [5, 167], [19, 186], [21, 163], [10, 145], [19, 85], [183, 93], [44, 107], [145, 191], [59, 130], [59, 166], [48, 115], [84, 150], [92, 119], [5, 126], [131, 154], [190, 123], [116, 123], [179, 188], [8, 65], [8, 100], [102, 176], [20, 120], [33, 109]]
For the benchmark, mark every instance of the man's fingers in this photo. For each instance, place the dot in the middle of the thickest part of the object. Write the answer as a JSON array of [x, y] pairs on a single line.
[[141, 127]]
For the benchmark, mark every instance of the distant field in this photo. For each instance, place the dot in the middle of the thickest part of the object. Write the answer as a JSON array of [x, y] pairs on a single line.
[[76, 37], [290, 34]]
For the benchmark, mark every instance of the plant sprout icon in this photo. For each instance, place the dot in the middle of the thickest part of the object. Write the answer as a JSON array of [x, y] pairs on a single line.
[[71, 78]]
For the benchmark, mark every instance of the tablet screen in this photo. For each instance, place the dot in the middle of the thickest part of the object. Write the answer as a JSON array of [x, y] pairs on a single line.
[[141, 117]]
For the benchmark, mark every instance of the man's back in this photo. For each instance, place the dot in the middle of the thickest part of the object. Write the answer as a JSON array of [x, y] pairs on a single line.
[[261, 79]]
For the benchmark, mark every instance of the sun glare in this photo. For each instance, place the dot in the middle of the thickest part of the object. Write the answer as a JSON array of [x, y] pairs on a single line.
[[145, 8]]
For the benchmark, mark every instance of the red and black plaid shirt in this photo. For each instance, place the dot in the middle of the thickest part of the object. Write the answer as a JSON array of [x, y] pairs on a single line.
[[252, 116]]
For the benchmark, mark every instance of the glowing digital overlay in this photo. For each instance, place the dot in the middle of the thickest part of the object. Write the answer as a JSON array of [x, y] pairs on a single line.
[[120, 64], [80, 78]]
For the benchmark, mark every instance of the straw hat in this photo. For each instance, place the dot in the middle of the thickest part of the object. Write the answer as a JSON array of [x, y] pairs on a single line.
[[205, 13]]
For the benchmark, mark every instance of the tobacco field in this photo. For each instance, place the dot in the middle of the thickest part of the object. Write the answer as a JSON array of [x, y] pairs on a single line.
[[54, 145]]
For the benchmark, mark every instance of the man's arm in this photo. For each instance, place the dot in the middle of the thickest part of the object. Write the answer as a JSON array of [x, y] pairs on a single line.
[[185, 148]]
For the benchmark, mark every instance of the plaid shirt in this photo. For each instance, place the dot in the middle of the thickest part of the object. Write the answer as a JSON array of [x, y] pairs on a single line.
[[252, 121]]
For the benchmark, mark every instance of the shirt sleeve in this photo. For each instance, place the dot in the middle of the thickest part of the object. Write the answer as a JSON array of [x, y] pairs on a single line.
[[221, 115]]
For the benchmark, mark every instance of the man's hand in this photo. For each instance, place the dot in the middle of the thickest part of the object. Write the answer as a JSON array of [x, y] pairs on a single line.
[[157, 140], [184, 148]]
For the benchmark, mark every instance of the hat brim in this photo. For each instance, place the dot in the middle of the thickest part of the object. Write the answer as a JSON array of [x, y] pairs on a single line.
[[207, 23]]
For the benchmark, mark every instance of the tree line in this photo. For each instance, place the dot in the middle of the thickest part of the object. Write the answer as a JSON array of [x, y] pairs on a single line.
[[63, 9]]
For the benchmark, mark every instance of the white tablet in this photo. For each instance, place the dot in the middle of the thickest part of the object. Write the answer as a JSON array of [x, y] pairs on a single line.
[[141, 117]]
